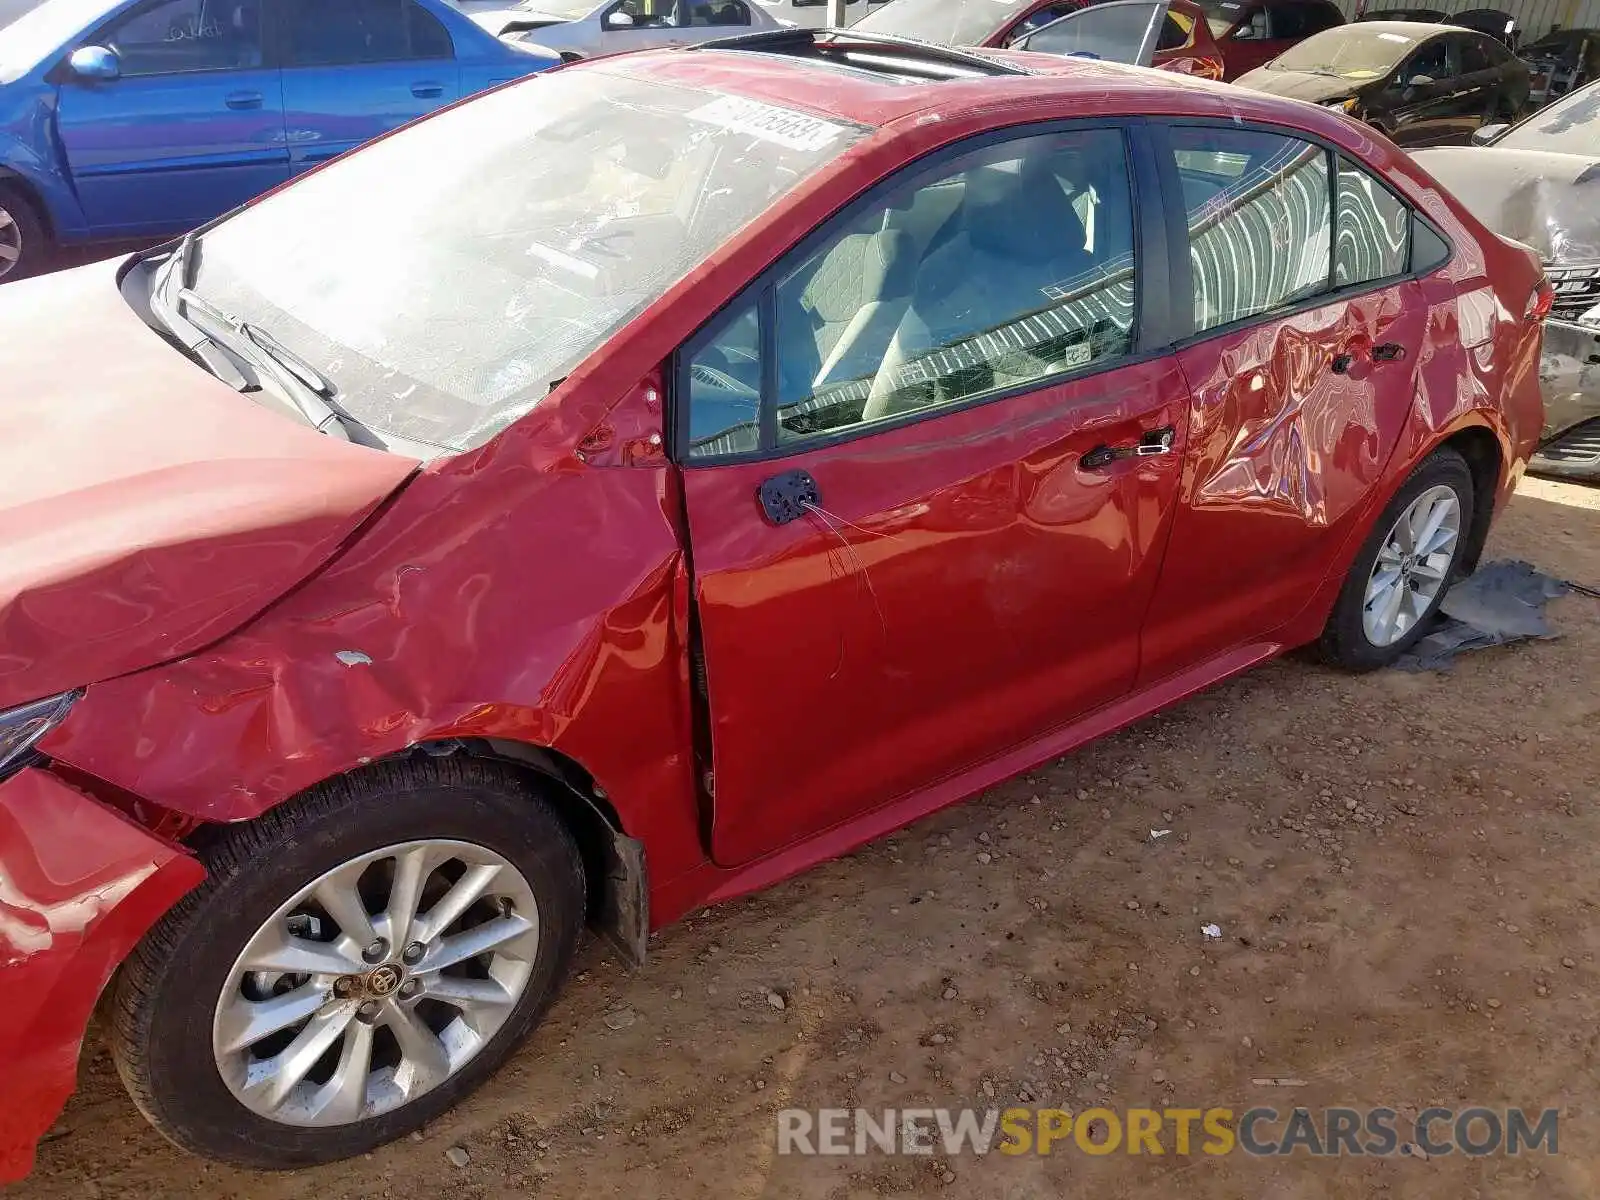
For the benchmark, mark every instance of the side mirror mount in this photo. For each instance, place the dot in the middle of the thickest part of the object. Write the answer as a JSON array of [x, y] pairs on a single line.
[[1419, 81], [619, 20], [1488, 133], [94, 62]]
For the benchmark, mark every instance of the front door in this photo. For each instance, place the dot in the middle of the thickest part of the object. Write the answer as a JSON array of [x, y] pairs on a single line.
[[1424, 96], [355, 69], [191, 127], [923, 531], [1302, 379]]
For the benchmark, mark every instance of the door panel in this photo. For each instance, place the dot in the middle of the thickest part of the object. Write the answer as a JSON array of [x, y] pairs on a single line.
[[356, 69], [1294, 417], [974, 564], [967, 587], [191, 128]]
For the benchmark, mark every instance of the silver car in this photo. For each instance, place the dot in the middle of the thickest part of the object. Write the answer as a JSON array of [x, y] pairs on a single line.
[[575, 29]]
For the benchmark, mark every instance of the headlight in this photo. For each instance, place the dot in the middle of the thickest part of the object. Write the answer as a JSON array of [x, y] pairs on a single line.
[[1341, 105], [24, 725]]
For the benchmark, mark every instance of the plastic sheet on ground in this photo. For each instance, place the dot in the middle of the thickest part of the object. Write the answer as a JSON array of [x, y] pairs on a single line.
[[1500, 602]]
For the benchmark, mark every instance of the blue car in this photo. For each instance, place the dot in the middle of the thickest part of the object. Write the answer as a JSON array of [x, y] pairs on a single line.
[[140, 119]]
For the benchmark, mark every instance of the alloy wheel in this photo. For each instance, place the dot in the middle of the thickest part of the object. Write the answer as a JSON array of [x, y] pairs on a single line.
[[10, 242], [1413, 566], [376, 982]]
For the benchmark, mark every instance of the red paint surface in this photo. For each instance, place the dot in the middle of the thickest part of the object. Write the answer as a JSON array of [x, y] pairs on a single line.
[[145, 507], [80, 886], [538, 590]]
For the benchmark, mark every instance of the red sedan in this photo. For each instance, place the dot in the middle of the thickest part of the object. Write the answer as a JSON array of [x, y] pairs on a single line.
[[630, 487]]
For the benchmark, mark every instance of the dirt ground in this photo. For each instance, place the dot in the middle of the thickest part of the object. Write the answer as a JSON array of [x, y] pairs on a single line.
[[1403, 868]]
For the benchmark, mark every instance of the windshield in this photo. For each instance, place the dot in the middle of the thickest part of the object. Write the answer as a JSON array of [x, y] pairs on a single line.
[[40, 32], [444, 279], [1569, 126], [567, 11], [1350, 52], [952, 22]]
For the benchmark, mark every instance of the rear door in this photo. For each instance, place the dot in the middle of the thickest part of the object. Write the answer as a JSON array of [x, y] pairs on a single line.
[[355, 69], [1307, 333], [923, 533], [192, 127]]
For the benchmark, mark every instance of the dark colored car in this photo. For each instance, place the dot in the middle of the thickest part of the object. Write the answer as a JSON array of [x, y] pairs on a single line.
[[1491, 22], [626, 489], [1562, 60], [1429, 16], [1539, 182], [1184, 43], [1422, 85], [1253, 32]]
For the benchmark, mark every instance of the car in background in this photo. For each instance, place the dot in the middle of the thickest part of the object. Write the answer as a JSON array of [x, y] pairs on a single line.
[[127, 120], [1183, 41], [1491, 22], [411, 558], [1430, 16], [1562, 60], [1421, 85], [1539, 183], [1252, 32], [578, 29]]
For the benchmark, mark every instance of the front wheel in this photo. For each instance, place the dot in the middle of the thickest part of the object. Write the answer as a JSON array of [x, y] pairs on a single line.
[[356, 962], [24, 245], [1399, 578]]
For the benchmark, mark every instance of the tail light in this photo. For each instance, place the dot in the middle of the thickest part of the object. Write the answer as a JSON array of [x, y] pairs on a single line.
[[1540, 301]]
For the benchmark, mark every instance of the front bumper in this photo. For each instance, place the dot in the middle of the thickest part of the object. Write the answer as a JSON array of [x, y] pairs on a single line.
[[1569, 376], [79, 886]]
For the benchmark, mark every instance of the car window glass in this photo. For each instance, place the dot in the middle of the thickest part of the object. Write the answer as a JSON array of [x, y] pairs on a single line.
[[1474, 57], [188, 35], [1432, 60], [718, 12], [1254, 27], [1258, 217], [641, 14], [1041, 18], [1006, 265], [1288, 21], [1118, 32], [1371, 229], [323, 34], [1173, 35]]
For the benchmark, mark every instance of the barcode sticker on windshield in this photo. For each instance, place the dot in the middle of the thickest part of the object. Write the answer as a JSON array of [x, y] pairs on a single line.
[[785, 127]]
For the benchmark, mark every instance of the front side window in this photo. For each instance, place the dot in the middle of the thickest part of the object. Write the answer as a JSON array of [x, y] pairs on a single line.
[[1042, 17], [180, 36], [1123, 31], [515, 236], [362, 31], [1005, 266], [1371, 229], [1259, 220], [1431, 62]]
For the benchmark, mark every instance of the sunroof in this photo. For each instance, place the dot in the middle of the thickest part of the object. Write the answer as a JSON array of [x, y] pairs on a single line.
[[889, 57]]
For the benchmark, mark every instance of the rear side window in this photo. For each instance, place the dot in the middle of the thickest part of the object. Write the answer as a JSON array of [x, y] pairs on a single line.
[[1371, 229], [362, 31], [1002, 267], [1296, 21], [1259, 216]]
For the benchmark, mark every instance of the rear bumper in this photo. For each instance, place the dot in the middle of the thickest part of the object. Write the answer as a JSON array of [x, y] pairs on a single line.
[[1568, 379], [79, 886]]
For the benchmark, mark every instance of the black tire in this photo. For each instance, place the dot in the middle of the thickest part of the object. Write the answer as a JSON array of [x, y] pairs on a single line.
[[33, 238], [1344, 641], [167, 992]]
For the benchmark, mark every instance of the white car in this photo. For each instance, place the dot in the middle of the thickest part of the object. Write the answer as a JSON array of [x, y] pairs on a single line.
[[576, 29]]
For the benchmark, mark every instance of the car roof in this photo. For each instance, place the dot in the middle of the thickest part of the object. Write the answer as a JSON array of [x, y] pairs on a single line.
[[1413, 29], [1020, 79]]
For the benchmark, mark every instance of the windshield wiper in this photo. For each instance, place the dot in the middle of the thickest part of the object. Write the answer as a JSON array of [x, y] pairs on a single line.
[[193, 339], [307, 389]]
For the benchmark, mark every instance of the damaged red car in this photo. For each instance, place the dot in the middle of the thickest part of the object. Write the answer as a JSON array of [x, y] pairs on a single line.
[[628, 488]]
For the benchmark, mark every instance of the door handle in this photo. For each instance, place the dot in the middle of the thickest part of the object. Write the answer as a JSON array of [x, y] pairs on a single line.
[[787, 497], [243, 100], [1155, 441], [427, 91], [1389, 352]]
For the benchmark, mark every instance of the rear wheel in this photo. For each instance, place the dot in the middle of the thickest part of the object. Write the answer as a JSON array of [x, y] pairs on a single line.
[[356, 962], [1400, 577], [24, 244]]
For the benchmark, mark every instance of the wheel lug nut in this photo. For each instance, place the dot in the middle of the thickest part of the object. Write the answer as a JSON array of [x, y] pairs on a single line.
[[413, 953], [343, 985], [410, 988], [377, 952], [368, 1011]]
